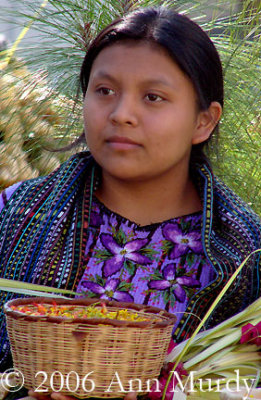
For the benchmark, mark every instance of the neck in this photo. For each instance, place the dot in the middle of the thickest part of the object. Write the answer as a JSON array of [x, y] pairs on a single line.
[[147, 202]]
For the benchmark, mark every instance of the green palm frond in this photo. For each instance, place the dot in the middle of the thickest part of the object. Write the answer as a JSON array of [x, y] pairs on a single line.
[[31, 289]]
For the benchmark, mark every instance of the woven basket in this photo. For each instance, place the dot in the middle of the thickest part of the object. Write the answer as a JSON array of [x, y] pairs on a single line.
[[101, 358]]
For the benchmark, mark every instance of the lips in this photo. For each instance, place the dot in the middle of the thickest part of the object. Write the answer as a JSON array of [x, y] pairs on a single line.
[[121, 144], [121, 139]]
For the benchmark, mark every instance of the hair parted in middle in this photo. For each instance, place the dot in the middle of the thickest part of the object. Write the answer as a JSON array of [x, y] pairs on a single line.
[[184, 41]]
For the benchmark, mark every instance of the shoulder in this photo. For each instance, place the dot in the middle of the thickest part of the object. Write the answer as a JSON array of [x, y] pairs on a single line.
[[16, 192], [19, 190], [231, 202], [225, 214], [234, 213], [7, 193]]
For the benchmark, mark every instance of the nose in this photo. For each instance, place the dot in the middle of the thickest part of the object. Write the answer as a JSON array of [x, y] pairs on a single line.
[[124, 111]]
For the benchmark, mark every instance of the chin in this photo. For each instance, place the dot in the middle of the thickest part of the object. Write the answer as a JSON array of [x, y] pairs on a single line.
[[125, 174]]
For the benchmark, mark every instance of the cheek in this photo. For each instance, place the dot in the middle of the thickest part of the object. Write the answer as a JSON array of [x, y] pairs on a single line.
[[85, 113], [94, 114], [160, 129], [88, 127], [91, 121], [89, 108]]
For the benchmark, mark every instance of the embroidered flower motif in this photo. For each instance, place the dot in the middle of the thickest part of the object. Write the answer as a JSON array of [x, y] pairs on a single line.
[[174, 282], [251, 334], [120, 253], [96, 219], [109, 290], [183, 242]]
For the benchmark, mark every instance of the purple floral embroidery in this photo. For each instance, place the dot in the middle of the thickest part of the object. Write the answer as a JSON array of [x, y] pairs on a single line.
[[96, 219], [183, 242], [109, 290], [120, 253], [172, 281]]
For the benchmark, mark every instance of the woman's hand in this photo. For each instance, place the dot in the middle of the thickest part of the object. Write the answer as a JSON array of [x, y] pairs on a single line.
[[59, 396], [130, 396]]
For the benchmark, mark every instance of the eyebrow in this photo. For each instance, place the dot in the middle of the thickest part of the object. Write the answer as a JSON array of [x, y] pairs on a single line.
[[104, 75], [158, 81]]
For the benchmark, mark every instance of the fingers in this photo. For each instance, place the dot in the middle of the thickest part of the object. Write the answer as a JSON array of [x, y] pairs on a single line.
[[60, 396], [38, 396], [131, 396], [52, 396]]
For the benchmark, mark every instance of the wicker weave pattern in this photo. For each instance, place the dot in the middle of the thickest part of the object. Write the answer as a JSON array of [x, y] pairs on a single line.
[[132, 352]]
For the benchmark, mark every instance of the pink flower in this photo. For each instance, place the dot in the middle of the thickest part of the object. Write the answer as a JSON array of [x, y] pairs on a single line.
[[154, 395], [172, 344], [251, 334], [166, 370]]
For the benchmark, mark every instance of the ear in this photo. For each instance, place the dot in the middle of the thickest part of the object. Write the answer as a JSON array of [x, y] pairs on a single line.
[[206, 122]]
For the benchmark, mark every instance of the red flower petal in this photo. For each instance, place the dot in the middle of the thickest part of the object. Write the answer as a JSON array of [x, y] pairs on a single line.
[[251, 334], [172, 344]]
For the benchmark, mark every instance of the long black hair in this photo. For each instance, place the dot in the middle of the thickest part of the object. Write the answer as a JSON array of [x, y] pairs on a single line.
[[186, 43]]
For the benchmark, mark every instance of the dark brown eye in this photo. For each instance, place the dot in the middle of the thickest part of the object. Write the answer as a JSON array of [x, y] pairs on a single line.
[[153, 97], [105, 91]]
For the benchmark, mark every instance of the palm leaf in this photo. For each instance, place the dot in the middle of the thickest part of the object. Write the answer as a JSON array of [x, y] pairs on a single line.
[[32, 289]]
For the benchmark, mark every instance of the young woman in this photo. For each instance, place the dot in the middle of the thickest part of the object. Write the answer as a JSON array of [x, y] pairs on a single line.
[[140, 217]]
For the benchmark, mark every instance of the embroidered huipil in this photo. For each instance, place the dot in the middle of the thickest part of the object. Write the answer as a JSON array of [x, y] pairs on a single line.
[[46, 239], [160, 264]]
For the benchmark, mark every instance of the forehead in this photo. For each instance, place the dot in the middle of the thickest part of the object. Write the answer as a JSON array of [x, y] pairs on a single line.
[[131, 54], [138, 62]]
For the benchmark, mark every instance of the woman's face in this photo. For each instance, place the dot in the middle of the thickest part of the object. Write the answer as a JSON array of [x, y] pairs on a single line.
[[140, 113]]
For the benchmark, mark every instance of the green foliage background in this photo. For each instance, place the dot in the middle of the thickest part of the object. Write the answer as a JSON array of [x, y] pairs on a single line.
[[67, 27]]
